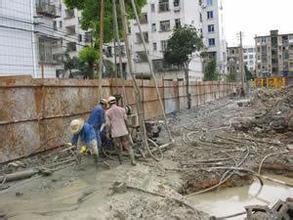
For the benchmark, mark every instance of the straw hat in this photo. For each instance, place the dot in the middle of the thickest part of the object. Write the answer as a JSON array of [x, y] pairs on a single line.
[[76, 125]]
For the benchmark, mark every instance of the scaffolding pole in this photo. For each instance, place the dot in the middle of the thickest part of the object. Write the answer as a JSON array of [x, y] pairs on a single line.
[[116, 30], [139, 105], [151, 69], [101, 47]]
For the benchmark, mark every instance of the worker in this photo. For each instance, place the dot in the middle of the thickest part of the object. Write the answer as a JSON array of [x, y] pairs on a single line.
[[117, 122], [85, 133], [98, 121]]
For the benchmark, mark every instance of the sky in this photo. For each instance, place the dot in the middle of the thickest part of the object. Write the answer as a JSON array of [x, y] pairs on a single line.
[[256, 17]]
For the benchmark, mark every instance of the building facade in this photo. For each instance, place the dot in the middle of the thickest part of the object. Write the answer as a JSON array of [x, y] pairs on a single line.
[[213, 32], [27, 38], [158, 19], [234, 62], [249, 58], [274, 54]]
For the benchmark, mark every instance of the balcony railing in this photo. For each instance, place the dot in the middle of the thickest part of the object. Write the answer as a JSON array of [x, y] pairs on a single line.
[[46, 9]]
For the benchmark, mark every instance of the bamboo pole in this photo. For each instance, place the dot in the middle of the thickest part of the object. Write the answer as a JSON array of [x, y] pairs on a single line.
[[139, 105], [101, 47], [116, 30]]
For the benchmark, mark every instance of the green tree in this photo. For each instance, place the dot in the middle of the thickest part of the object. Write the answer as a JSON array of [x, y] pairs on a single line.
[[90, 16], [70, 64], [88, 57], [182, 44], [210, 71]]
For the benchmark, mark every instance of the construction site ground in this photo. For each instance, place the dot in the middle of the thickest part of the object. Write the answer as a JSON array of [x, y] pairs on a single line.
[[229, 143]]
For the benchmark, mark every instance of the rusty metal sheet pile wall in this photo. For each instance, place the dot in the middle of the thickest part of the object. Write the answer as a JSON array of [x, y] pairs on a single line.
[[35, 113]]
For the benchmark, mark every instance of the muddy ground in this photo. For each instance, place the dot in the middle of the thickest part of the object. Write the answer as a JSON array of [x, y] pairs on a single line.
[[209, 141]]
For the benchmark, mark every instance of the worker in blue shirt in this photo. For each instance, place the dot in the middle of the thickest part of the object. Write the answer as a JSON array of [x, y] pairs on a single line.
[[85, 134], [98, 120]]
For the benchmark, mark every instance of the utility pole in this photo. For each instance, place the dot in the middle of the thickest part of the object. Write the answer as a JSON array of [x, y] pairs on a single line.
[[241, 62], [101, 47]]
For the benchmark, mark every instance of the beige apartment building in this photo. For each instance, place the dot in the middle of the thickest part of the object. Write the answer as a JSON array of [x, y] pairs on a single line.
[[274, 54]]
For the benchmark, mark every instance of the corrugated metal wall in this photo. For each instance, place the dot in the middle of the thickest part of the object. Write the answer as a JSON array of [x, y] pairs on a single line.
[[35, 113]]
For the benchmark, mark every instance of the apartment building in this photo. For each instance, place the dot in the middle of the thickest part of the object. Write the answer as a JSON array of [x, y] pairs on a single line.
[[27, 38], [274, 54], [249, 58], [213, 32], [158, 19], [234, 61]]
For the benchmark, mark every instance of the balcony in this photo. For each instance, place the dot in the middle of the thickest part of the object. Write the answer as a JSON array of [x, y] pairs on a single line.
[[141, 57], [58, 59], [71, 47], [70, 30], [69, 14], [44, 8]]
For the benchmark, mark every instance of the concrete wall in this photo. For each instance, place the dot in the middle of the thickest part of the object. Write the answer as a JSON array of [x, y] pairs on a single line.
[[35, 113]]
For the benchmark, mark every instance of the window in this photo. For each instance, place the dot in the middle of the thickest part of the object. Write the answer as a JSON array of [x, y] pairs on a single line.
[[211, 28], [200, 2], [176, 3], [60, 24], [164, 45], [87, 37], [212, 42], [141, 57], [165, 26], [79, 38], [143, 18], [45, 51], [210, 14], [200, 17], [153, 7], [209, 2], [245, 57], [250, 50], [177, 23], [163, 5], [55, 25], [250, 56], [155, 46], [154, 27]]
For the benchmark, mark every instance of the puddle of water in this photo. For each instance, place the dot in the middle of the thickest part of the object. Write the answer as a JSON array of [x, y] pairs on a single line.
[[233, 200]]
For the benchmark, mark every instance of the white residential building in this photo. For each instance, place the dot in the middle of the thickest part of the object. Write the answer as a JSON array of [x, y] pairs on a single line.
[[27, 38], [213, 32], [249, 58], [158, 19]]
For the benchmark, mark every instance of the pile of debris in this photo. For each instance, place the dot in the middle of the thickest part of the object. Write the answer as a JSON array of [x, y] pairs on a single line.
[[274, 115]]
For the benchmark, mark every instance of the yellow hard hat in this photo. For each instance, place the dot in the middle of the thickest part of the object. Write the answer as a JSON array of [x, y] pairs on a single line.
[[76, 125], [111, 100]]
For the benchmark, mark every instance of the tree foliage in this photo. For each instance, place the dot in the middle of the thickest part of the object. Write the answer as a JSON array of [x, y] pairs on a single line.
[[231, 77], [248, 74], [183, 42], [90, 17], [210, 72]]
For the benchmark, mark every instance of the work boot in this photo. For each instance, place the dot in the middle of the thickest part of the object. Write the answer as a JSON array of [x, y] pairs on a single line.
[[120, 158], [132, 158]]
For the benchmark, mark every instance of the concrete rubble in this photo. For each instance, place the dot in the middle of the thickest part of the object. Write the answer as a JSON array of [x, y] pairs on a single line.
[[218, 145]]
